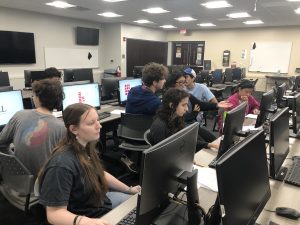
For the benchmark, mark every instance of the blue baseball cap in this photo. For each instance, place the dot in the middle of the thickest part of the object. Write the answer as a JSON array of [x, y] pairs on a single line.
[[190, 71]]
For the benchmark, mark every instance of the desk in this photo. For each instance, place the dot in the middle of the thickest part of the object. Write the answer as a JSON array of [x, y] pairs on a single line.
[[282, 194], [271, 79]]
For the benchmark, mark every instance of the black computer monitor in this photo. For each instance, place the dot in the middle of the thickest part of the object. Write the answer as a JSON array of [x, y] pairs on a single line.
[[10, 103], [296, 113], [68, 75], [82, 93], [279, 143], [296, 84], [83, 74], [76, 82], [137, 71], [161, 165], [233, 126], [243, 181], [281, 89], [109, 87], [27, 78], [124, 88], [6, 88], [265, 107], [4, 79], [38, 75]]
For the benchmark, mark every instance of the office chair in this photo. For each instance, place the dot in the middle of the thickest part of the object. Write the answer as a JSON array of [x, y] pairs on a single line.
[[131, 134], [296, 84], [217, 77], [146, 138], [203, 77], [228, 75], [17, 182]]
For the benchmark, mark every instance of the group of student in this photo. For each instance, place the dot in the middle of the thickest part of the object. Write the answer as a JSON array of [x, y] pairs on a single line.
[[74, 187]]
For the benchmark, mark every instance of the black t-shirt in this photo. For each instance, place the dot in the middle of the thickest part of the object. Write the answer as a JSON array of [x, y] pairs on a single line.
[[63, 184]]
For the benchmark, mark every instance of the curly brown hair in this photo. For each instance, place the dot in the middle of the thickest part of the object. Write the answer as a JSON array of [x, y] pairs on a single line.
[[154, 72]]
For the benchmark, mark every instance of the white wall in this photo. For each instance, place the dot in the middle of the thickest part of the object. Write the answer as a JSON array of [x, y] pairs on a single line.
[[49, 31], [136, 32]]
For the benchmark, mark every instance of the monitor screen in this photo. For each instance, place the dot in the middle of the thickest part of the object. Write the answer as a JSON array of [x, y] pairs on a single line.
[[38, 75], [281, 89], [110, 88], [16, 47], [125, 86], [4, 79], [83, 74], [10, 103], [296, 113], [27, 78], [87, 36], [279, 142], [233, 124], [171, 157], [243, 181], [82, 93], [265, 106], [6, 88]]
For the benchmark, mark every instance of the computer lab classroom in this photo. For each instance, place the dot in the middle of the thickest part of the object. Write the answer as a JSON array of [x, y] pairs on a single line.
[[100, 46]]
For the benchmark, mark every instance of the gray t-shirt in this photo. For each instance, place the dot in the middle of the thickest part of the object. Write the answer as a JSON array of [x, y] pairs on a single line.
[[34, 136]]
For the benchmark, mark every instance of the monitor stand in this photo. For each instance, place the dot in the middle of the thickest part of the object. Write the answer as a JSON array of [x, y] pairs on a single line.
[[179, 214]]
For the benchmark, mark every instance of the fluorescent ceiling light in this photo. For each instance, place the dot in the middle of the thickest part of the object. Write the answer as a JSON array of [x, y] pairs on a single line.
[[206, 25], [60, 4], [185, 18], [114, 0], [293, 0], [238, 15], [297, 11], [216, 4], [142, 21], [155, 10], [109, 14], [168, 26], [250, 22]]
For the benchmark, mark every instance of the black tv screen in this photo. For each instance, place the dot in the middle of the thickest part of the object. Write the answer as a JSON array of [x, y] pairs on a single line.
[[16, 47], [87, 36]]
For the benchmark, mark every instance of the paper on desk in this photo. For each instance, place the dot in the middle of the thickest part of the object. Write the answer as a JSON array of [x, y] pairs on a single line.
[[207, 178], [251, 116], [117, 111], [251, 127]]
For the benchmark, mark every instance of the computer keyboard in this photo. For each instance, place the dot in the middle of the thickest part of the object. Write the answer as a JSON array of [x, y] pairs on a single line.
[[129, 219], [293, 174], [213, 163], [103, 115]]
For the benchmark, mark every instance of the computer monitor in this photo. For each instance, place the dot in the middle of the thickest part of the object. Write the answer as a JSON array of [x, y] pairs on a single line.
[[109, 87], [68, 75], [38, 75], [233, 126], [137, 71], [296, 84], [264, 108], [124, 88], [296, 113], [281, 89], [10, 103], [6, 88], [82, 93], [243, 182], [4, 79], [161, 165], [27, 78], [279, 143], [83, 74], [76, 82]]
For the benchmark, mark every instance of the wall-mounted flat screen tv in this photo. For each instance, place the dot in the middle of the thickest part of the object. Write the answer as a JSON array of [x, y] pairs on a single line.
[[87, 36], [16, 47]]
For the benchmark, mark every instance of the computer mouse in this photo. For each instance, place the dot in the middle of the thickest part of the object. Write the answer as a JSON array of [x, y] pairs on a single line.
[[288, 212]]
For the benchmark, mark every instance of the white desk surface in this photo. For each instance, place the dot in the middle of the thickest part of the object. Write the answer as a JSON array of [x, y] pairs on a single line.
[[282, 194]]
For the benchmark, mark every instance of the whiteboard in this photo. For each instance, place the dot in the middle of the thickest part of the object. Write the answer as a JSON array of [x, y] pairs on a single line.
[[270, 57], [70, 58]]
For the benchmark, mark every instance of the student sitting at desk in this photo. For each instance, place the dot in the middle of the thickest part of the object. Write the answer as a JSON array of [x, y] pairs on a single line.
[[244, 94], [34, 133], [142, 99], [73, 184]]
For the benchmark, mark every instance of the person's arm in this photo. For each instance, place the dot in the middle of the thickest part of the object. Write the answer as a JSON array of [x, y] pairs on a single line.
[[7, 134], [116, 185], [61, 216], [254, 105], [204, 106]]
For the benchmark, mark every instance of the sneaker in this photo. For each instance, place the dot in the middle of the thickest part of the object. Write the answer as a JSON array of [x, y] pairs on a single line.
[[129, 164]]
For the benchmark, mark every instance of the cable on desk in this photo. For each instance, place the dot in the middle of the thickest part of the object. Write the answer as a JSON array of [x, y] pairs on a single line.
[[269, 210]]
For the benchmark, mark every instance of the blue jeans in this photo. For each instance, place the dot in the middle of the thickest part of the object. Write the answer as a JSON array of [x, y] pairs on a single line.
[[117, 198]]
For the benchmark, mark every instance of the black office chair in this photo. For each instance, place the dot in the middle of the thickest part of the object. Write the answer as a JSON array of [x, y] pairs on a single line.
[[17, 182], [217, 78], [228, 75], [203, 77], [296, 84], [237, 74]]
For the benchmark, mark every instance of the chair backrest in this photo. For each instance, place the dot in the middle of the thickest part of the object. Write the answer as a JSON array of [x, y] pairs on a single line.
[[15, 175], [133, 126], [236, 73], [228, 75], [217, 77], [147, 132], [296, 84]]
